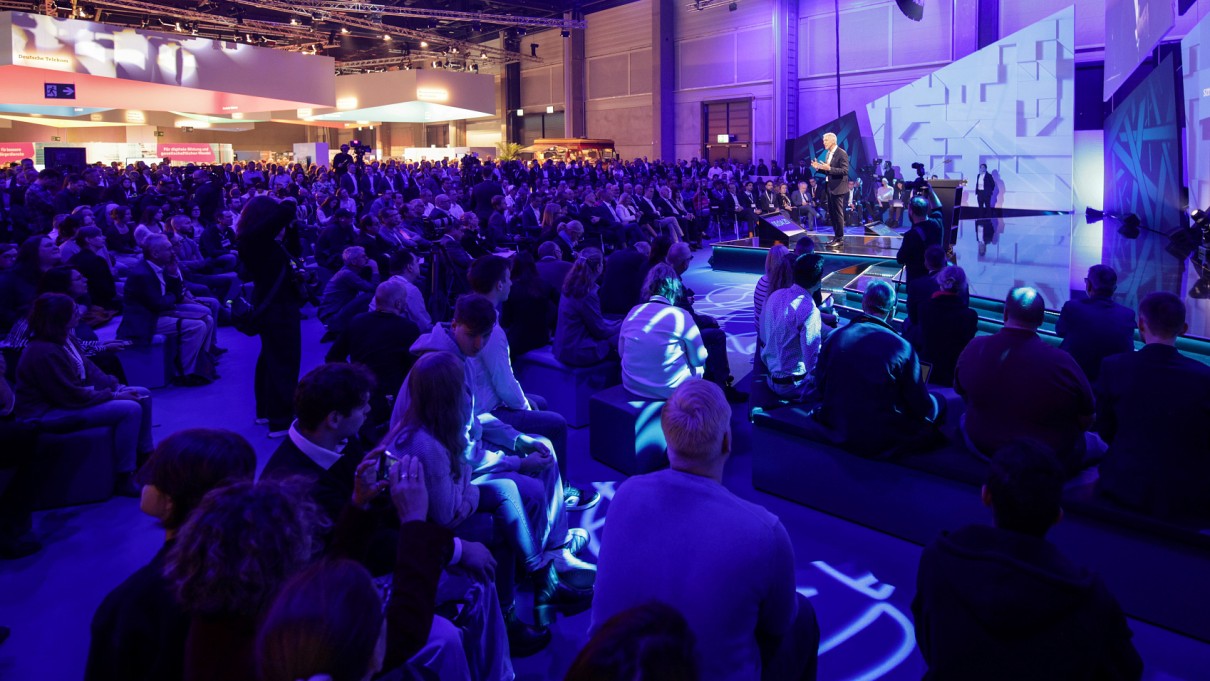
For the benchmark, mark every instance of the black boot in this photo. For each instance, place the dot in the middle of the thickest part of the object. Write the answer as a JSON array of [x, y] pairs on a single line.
[[523, 639], [552, 597]]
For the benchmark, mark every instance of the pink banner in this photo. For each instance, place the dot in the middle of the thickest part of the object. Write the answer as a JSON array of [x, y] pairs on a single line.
[[186, 153], [11, 152]]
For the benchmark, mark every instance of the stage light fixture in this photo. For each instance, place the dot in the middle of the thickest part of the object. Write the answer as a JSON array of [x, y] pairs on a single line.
[[293, 21], [344, 31], [565, 33], [1130, 227], [1093, 215], [387, 38], [474, 68], [424, 44], [533, 49]]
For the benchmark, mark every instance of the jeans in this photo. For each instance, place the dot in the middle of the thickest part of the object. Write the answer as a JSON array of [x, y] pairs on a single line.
[[532, 510], [131, 423], [540, 421]]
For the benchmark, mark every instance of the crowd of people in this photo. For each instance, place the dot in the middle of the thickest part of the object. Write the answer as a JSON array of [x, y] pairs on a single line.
[[418, 487]]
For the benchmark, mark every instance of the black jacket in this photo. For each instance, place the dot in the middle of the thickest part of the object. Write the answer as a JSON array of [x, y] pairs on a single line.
[[1093, 329], [102, 289], [622, 281], [331, 489], [138, 631], [1152, 408], [145, 302], [947, 324], [995, 604], [379, 340]]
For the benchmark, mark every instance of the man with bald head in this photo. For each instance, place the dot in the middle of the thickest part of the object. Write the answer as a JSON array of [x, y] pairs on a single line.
[[1017, 385]]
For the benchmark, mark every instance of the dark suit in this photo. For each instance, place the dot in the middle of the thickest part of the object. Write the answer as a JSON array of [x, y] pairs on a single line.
[[330, 489], [622, 281], [766, 201], [804, 209], [101, 287], [946, 326], [868, 378], [145, 303], [1152, 408], [915, 242], [838, 189], [481, 199], [984, 186], [379, 340], [1093, 329]]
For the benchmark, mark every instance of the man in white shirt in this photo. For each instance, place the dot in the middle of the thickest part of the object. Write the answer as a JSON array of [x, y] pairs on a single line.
[[791, 331]]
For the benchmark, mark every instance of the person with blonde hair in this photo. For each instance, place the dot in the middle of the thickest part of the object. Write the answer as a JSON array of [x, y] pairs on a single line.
[[779, 274], [662, 522], [582, 335]]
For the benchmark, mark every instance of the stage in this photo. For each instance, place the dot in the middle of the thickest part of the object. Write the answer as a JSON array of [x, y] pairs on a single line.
[[1050, 252]]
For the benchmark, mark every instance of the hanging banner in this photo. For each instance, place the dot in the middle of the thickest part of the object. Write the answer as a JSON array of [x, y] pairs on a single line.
[[13, 152], [187, 153]]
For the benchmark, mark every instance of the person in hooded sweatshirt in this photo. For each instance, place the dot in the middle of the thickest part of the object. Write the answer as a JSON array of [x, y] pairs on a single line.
[[1003, 603]]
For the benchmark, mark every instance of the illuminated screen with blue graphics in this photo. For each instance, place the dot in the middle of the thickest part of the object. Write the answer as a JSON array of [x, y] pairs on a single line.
[[1143, 176], [1132, 30], [1009, 105], [1195, 60]]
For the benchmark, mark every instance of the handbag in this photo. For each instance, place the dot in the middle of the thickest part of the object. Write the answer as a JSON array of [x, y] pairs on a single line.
[[246, 317]]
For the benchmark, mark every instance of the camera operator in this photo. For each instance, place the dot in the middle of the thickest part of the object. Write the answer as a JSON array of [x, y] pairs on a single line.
[[927, 230], [342, 161]]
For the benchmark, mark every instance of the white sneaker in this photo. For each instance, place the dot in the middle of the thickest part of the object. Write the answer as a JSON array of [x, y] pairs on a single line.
[[566, 559]]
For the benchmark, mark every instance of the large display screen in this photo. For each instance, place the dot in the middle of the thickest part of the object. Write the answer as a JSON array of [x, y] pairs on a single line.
[[1195, 61], [1009, 105], [1132, 30]]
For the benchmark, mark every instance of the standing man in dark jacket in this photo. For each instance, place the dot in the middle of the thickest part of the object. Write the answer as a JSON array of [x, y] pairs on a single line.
[[1152, 408], [926, 231], [482, 194], [868, 379], [1003, 603], [622, 281], [1096, 327], [836, 166]]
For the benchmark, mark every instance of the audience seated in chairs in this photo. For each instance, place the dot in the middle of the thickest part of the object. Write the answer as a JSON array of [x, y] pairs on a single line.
[[348, 292], [157, 302], [551, 266], [946, 324], [872, 395], [1152, 409], [1095, 327], [55, 379], [1003, 603], [545, 503], [381, 341], [1017, 385], [139, 630], [791, 332], [661, 522], [583, 336], [93, 262], [659, 343]]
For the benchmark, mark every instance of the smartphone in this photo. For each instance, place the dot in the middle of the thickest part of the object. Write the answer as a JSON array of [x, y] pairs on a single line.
[[386, 461]]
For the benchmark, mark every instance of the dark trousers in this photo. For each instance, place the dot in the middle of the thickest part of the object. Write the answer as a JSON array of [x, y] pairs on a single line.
[[836, 206], [278, 366], [16, 466], [985, 203], [795, 655]]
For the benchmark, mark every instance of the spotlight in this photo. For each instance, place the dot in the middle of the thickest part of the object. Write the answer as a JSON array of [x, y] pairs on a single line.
[[436, 64], [424, 44], [344, 31], [387, 38], [474, 68], [1130, 227], [533, 49], [293, 21], [1093, 215], [565, 33], [482, 55]]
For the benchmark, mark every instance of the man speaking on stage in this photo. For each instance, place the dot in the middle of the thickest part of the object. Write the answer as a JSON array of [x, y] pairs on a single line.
[[836, 167]]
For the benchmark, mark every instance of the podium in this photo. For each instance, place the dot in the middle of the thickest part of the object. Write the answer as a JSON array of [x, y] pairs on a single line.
[[778, 228], [949, 192]]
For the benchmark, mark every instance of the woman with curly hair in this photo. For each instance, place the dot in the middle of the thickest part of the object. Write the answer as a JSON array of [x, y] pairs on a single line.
[[230, 559]]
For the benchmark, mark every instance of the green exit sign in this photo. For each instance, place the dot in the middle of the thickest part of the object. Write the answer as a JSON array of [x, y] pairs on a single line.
[[159, 133], [56, 139]]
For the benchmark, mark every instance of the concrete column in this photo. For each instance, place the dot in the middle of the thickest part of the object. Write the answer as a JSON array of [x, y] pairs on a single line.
[[457, 133], [663, 79], [785, 77], [512, 92], [575, 96]]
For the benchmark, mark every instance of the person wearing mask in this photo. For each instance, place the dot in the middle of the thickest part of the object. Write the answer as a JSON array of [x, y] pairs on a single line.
[[1001, 602], [1152, 408], [55, 379], [138, 632], [1096, 327], [582, 335]]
